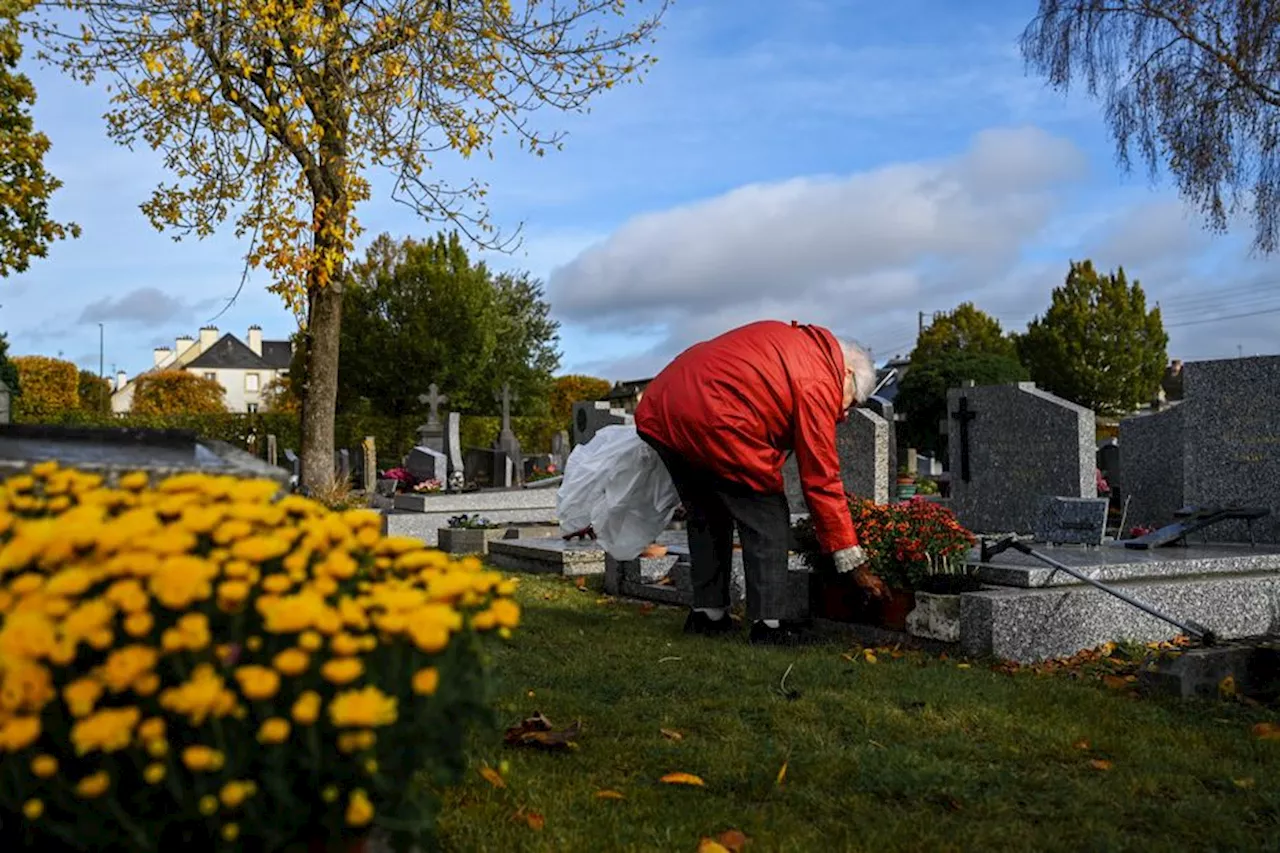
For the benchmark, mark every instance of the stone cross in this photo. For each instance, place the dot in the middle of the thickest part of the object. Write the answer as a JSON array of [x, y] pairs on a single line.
[[963, 414], [505, 397], [433, 399]]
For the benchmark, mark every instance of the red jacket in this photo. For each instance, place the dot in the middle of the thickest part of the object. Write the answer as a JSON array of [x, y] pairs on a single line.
[[736, 404]]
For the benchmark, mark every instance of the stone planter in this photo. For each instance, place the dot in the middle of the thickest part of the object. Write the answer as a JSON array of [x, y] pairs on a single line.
[[936, 616], [468, 540]]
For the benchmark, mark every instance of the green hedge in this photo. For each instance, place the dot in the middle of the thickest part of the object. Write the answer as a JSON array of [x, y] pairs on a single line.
[[394, 436]]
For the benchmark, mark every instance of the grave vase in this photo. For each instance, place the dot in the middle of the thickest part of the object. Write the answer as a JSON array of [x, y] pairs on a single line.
[[839, 598]]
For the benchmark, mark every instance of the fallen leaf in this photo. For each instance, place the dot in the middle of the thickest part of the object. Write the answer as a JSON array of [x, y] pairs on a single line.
[[869, 656], [609, 795], [1100, 764], [682, 779], [782, 774], [492, 777], [1107, 649], [733, 840], [710, 845], [647, 608], [1114, 682], [671, 734], [1227, 687], [535, 820], [1267, 731], [963, 666], [850, 658], [1081, 744], [1243, 784], [580, 582], [538, 731]]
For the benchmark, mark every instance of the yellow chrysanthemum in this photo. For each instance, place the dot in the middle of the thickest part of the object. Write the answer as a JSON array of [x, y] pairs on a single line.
[[201, 758], [93, 786], [365, 708], [274, 730], [82, 695], [32, 809], [27, 635], [108, 730], [260, 549], [44, 766], [25, 687], [18, 733], [202, 696], [306, 710], [292, 662], [139, 625], [359, 809], [182, 580], [233, 794], [154, 774], [152, 728], [128, 595], [342, 670], [426, 681], [125, 666], [230, 832], [134, 481], [258, 682]]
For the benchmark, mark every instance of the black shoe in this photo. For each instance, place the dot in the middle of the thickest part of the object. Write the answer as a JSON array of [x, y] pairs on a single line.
[[786, 634], [701, 623]]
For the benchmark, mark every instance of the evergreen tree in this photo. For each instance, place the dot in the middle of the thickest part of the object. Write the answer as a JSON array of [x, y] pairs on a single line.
[[1097, 345], [964, 329]]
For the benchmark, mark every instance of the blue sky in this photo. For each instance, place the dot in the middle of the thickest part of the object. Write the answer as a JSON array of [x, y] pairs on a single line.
[[845, 163]]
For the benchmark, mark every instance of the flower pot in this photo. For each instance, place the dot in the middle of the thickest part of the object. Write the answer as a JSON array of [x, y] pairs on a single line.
[[468, 540], [839, 598], [906, 490], [894, 609]]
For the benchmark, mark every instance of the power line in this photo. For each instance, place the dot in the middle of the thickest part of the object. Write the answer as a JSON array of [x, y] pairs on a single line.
[[1275, 310]]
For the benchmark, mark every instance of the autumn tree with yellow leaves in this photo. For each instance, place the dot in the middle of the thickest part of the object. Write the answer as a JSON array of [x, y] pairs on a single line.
[[273, 113]]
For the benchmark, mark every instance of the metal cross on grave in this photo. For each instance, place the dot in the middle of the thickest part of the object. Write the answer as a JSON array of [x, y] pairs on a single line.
[[433, 399], [505, 396], [963, 414]]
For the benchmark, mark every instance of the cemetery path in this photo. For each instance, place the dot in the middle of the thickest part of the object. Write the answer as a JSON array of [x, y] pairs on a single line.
[[882, 751]]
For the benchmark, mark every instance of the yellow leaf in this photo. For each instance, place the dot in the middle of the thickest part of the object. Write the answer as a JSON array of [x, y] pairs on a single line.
[[535, 820], [609, 795], [1243, 784], [963, 665], [782, 774], [1081, 744], [682, 779], [492, 777], [869, 656], [671, 734], [733, 840], [710, 845], [1114, 682], [1227, 687], [1267, 731], [1100, 764]]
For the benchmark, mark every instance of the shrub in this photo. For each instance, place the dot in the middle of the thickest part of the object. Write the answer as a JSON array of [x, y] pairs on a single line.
[[204, 661], [50, 387], [94, 393], [177, 392]]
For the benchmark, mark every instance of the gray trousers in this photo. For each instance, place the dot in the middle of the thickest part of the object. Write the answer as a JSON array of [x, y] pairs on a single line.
[[714, 507]]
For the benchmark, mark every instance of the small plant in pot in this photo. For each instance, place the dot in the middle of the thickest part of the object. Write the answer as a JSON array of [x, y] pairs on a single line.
[[906, 483], [469, 534]]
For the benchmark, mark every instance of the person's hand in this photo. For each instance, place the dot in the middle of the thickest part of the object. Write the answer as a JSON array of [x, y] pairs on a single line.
[[872, 584]]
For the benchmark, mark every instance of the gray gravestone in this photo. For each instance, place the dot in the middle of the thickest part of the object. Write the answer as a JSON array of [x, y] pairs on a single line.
[[1231, 440], [1011, 445], [589, 417], [6, 403], [453, 445], [884, 408], [357, 467], [273, 451], [1108, 460], [425, 463], [1071, 521], [342, 465], [431, 434], [507, 442], [560, 449], [1151, 468], [862, 443], [295, 464]]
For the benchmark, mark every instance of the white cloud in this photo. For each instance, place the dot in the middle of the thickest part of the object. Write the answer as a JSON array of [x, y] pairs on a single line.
[[856, 252]]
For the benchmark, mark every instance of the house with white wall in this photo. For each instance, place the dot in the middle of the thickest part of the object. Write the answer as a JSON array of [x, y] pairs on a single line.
[[244, 369]]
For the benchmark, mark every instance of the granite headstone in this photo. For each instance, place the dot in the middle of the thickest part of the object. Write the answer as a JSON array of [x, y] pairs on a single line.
[[862, 444], [589, 417], [1071, 521], [1010, 446], [425, 463]]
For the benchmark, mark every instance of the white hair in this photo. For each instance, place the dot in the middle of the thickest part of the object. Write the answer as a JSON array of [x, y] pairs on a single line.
[[859, 359]]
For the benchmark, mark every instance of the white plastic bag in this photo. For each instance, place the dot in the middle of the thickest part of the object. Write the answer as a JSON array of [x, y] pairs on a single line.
[[618, 485]]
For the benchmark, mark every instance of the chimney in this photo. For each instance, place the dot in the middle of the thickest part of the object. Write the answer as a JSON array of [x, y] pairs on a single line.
[[122, 379], [1176, 364], [255, 339], [181, 345], [162, 354], [208, 337]]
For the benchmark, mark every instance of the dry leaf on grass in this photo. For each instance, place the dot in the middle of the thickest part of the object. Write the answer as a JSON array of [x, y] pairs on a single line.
[[1081, 744], [671, 734], [1243, 784], [609, 795], [1114, 682], [538, 731], [683, 779], [580, 582], [868, 655], [1267, 731], [646, 608], [782, 774], [710, 845], [531, 819], [493, 777], [733, 840], [1099, 764]]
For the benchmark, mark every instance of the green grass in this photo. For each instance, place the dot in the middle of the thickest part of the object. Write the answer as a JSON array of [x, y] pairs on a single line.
[[911, 753]]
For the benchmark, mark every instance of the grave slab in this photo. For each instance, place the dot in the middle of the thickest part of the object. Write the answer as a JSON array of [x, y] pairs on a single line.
[[482, 501], [1113, 563], [426, 525], [547, 556]]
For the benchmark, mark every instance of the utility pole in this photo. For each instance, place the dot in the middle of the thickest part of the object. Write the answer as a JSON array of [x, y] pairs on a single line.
[[920, 315], [102, 362]]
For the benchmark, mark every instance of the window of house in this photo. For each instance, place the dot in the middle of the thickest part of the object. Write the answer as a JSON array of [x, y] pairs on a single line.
[[251, 382], [252, 408], [212, 377]]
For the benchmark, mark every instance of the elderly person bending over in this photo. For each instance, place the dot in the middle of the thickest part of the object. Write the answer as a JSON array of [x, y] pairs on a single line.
[[723, 417]]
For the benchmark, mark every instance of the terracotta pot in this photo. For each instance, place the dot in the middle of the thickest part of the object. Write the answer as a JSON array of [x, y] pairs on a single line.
[[654, 550], [839, 598], [894, 609]]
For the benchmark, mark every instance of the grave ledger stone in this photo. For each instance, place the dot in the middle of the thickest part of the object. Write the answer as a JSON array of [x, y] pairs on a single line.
[[1011, 446]]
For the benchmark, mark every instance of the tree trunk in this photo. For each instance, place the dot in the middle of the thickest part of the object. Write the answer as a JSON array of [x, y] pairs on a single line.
[[318, 414]]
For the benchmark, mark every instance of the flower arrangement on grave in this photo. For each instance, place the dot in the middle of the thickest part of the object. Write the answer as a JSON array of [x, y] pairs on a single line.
[[472, 522], [543, 473], [910, 544], [205, 663], [431, 485], [403, 479], [1104, 488], [926, 486]]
